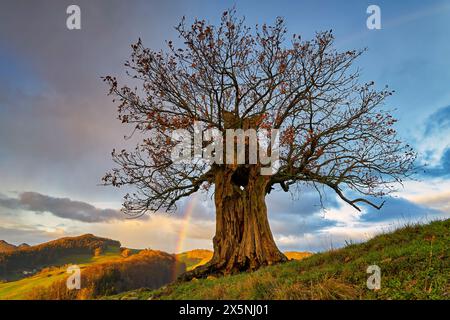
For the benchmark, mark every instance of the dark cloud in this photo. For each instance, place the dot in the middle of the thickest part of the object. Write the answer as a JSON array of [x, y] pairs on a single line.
[[398, 209], [62, 57], [438, 121], [56, 121], [436, 127], [304, 201], [289, 225], [10, 203], [441, 170], [30, 236], [60, 207]]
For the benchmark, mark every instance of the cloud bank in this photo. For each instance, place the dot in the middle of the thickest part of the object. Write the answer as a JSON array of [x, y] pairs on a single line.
[[60, 207]]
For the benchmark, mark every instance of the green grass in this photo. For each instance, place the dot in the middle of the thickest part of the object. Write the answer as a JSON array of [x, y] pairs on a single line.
[[194, 258], [190, 262], [21, 288], [414, 262], [110, 253]]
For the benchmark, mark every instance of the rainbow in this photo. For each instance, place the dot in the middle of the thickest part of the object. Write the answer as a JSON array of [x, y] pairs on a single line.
[[187, 214]]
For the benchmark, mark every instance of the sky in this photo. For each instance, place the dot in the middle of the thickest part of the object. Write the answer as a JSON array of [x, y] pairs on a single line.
[[58, 126]]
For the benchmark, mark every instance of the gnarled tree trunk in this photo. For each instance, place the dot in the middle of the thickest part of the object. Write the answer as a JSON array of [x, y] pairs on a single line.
[[243, 239]]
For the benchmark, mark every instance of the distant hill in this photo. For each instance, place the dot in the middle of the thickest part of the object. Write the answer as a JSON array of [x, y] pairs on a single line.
[[25, 259], [414, 263], [6, 247]]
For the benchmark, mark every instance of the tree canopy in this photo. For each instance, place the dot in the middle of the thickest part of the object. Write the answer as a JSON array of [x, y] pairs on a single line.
[[335, 130]]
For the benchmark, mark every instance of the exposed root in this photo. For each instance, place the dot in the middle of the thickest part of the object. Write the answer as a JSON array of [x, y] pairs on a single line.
[[200, 272], [221, 269]]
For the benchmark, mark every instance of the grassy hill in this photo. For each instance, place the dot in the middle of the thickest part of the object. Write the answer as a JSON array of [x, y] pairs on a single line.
[[106, 268], [147, 268], [414, 262], [23, 260], [21, 289]]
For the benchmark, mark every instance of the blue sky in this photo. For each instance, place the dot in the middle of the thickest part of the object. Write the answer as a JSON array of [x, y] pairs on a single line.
[[57, 126]]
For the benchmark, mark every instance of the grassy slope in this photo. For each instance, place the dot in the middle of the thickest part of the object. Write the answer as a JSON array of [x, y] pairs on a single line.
[[21, 288], [194, 258], [414, 263]]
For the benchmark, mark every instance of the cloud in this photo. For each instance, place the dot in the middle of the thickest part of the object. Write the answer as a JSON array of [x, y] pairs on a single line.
[[438, 201], [30, 217], [28, 235], [160, 231], [312, 232], [398, 209], [56, 121], [332, 230], [438, 120], [433, 143], [440, 170], [304, 201], [288, 225], [60, 207]]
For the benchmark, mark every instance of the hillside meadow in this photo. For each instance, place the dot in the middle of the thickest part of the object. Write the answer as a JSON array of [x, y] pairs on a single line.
[[414, 263]]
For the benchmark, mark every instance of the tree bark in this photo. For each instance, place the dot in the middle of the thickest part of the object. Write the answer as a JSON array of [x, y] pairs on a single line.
[[243, 240]]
